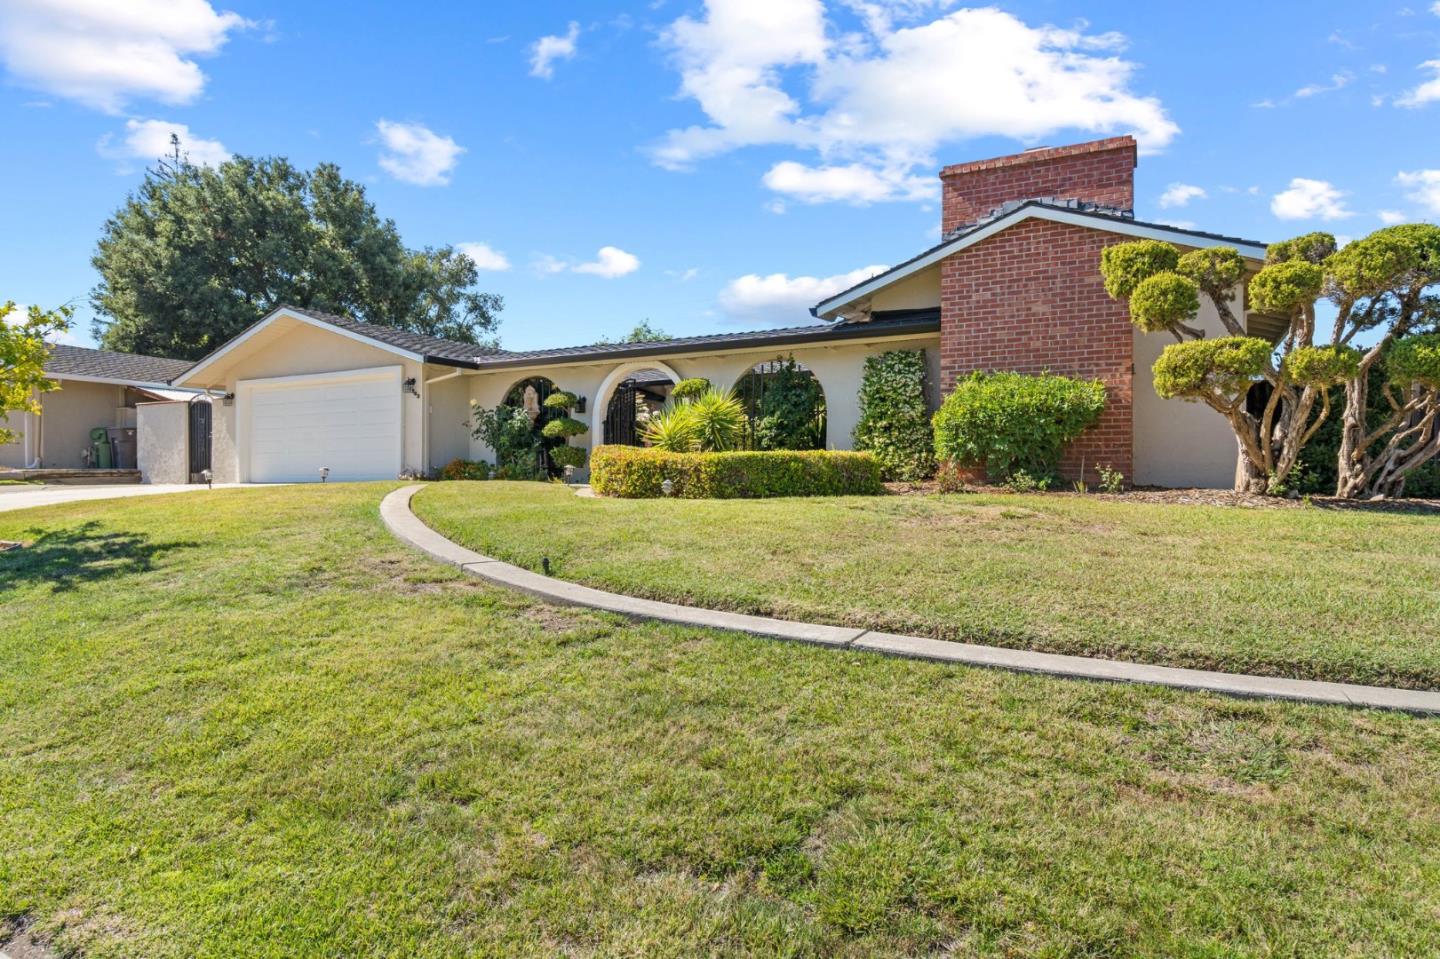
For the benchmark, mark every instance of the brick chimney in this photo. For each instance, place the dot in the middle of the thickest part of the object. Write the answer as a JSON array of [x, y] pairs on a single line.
[[1100, 172]]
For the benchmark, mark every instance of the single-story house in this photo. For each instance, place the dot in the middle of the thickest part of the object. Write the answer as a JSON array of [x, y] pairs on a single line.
[[97, 388], [1014, 283]]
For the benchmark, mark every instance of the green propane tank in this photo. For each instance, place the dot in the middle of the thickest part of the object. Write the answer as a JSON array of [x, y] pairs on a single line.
[[100, 445]]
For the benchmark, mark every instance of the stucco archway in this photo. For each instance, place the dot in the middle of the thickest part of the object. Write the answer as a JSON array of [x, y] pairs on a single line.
[[607, 390]]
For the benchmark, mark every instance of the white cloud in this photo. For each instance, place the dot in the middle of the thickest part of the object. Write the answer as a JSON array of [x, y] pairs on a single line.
[[105, 53], [684, 276], [149, 140], [1424, 188], [1427, 92], [413, 153], [1435, 8], [1308, 200], [1338, 81], [484, 256], [884, 98], [780, 298], [610, 262], [1391, 217], [547, 50], [852, 182], [1179, 194]]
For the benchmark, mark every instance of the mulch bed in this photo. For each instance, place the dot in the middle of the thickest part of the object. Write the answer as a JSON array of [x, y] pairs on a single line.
[[1202, 497]]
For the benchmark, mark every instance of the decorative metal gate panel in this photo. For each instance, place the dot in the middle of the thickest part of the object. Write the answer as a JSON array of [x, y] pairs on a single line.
[[200, 414], [620, 417]]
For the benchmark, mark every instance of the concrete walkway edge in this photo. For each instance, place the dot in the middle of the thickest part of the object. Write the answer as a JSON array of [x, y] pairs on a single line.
[[401, 521]]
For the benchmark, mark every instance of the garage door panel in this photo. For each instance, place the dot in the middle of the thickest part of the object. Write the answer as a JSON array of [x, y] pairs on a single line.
[[350, 426]]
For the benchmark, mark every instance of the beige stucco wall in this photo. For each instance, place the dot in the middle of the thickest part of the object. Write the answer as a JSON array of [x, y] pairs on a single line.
[[12, 454], [67, 417], [838, 367], [1178, 443], [163, 441], [918, 292], [448, 405]]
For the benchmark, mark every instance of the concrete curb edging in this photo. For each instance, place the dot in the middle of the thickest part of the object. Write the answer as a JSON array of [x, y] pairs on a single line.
[[406, 526]]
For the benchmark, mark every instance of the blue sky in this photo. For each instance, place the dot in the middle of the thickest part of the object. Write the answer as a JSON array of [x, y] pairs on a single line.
[[711, 166]]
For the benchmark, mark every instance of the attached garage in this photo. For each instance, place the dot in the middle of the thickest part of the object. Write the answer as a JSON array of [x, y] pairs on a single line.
[[349, 423]]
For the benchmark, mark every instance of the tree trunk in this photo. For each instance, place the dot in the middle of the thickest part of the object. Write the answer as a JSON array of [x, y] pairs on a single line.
[[1249, 477], [1351, 466]]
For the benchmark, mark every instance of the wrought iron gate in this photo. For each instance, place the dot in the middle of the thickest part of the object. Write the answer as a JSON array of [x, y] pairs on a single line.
[[199, 437], [620, 417]]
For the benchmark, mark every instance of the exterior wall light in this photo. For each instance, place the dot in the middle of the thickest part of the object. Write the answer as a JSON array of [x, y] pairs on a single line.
[[324, 473], [409, 387]]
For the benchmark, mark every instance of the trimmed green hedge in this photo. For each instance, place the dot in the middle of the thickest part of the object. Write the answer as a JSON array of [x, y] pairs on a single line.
[[632, 472], [1008, 422]]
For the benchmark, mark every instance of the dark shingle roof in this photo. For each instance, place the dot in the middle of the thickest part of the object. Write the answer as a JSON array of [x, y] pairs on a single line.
[[883, 324], [432, 348], [104, 364]]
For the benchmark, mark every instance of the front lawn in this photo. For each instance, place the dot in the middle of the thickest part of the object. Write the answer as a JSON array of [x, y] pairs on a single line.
[[250, 723], [1309, 593]]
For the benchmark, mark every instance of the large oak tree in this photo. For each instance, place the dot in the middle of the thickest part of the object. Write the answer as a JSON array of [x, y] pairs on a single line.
[[197, 254]]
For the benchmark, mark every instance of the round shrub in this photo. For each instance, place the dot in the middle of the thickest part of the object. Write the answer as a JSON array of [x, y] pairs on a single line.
[[561, 400], [689, 389], [1311, 247], [1395, 256], [458, 469], [1013, 421], [1126, 265], [1227, 365], [1322, 365], [563, 427], [1415, 359], [1163, 300], [1285, 287], [1218, 268], [568, 456]]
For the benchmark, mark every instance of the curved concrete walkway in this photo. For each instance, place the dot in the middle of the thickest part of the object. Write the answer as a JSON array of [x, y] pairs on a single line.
[[396, 513]]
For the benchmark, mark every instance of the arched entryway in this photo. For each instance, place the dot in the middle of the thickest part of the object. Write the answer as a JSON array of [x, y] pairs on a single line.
[[529, 395], [785, 405], [628, 397]]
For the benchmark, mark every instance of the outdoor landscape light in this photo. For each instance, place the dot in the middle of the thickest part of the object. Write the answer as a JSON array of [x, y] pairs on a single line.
[[324, 473], [667, 487], [207, 476], [569, 472]]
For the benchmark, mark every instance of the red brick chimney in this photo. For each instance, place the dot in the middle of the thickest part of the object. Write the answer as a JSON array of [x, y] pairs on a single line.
[[1100, 172]]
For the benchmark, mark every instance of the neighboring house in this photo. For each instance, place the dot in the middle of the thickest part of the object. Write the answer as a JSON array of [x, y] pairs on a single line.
[[1013, 284], [98, 388]]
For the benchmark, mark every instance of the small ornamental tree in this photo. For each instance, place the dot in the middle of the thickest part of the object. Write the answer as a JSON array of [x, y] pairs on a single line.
[[1387, 283], [1164, 290], [791, 411], [22, 359], [894, 417], [561, 428]]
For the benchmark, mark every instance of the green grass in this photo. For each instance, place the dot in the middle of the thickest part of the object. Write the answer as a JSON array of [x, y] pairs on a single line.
[[1309, 593], [249, 723]]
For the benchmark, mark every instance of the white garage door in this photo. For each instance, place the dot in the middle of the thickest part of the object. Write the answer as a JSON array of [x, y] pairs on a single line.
[[349, 422]]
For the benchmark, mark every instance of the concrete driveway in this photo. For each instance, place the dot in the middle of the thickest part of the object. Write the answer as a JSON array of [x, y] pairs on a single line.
[[25, 497]]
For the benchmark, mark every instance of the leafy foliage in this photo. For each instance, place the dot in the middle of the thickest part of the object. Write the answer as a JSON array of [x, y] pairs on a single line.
[[1396, 258], [198, 254], [690, 388], [712, 422], [642, 332], [1198, 368], [672, 430], [563, 456], [1163, 301], [1321, 365], [460, 469], [562, 401], [1415, 360], [1126, 265], [1287, 286], [1008, 422], [1215, 270], [791, 414], [894, 417], [631, 472], [562, 428], [508, 432], [23, 352], [1310, 248]]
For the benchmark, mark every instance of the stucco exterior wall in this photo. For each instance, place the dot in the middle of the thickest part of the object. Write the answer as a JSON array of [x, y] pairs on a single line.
[[838, 366], [67, 417], [303, 349], [1178, 443], [448, 411], [918, 292], [12, 454], [163, 441]]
